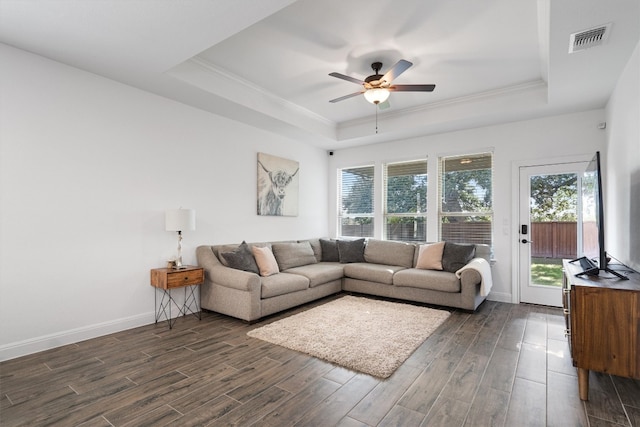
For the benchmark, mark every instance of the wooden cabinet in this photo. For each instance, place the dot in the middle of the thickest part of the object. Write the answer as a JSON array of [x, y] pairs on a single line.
[[603, 324], [166, 279]]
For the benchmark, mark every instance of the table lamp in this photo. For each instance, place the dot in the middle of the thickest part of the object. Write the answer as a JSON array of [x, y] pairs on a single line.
[[180, 220]]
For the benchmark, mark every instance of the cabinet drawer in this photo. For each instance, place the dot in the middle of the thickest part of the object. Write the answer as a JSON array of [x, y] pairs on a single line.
[[166, 278], [184, 278]]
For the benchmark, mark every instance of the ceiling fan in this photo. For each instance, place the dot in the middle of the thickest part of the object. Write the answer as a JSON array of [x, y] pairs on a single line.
[[377, 88]]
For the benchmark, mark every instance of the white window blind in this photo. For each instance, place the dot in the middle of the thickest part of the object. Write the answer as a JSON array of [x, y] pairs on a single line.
[[356, 207], [465, 189], [405, 200]]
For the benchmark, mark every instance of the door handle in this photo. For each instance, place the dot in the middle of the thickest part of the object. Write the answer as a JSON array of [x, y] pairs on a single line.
[[526, 241]]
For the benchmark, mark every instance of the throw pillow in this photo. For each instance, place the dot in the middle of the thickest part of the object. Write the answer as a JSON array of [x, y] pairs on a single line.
[[351, 250], [241, 258], [291, 255], [267, 263], [430, 256], [457, 255], [329, 250]]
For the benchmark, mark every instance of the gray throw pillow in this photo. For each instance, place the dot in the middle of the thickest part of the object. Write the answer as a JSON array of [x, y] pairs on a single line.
[[457, 255], [293, 254], [329, 250], [351, 251], [241, 259]]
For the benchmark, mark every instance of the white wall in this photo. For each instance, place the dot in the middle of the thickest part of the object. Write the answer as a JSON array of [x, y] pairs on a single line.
[[572, 135], [622, 174], [87, 168]]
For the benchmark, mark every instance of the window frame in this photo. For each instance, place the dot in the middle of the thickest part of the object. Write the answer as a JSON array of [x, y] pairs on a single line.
[[341, 215], [385, 191], [442, 214]]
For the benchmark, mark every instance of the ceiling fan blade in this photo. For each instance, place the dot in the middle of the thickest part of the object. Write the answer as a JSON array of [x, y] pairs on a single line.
[[400, 67], [347, 78], [412, 88], [351, 95]]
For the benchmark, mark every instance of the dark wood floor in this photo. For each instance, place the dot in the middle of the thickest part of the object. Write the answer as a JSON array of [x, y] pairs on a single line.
[[505, 365]]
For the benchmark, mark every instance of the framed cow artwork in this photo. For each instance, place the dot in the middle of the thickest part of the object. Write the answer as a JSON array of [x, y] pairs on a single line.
[[278, 182]]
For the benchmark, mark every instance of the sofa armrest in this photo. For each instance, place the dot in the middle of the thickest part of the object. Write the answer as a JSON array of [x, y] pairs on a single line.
[[469, 278], [483, 268], [220, 274]]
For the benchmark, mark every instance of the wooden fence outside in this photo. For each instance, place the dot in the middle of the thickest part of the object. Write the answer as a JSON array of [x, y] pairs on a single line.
[[554, 239]]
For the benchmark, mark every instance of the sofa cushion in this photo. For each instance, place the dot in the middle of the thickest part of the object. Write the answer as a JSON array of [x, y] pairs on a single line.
[[372, 272], [427, 279], [289, 255], [329, 250], [430, 256], [389, 252], [283, 283], [351, 250], [456, 255], [267, 263], [315, 245], [319, 274], [241, 258]]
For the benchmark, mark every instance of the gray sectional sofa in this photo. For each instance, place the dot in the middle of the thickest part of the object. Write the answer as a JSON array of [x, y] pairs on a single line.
[[234, 287]]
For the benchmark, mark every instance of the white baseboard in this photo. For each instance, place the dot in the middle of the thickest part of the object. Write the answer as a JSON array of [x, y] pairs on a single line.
[[47, 342], [500, 297]]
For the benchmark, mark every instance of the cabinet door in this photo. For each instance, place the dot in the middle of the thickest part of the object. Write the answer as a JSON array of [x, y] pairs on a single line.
[[605, 330]]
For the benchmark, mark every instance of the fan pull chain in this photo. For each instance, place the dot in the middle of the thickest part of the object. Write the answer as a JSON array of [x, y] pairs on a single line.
[[376, 107]]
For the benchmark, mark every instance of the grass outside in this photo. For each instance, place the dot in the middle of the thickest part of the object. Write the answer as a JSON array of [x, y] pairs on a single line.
[[546, 271]]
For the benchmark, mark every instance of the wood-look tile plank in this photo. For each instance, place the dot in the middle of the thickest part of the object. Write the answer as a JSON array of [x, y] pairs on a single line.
[[564, 406], [305, 400], [447, 412], [528, 404], [253, 410], [340, 375], [628, 389], [309, 373], [114, 401], [532, 364], [332, 409], [266, 379], [375, 405], [634, 414], [603, 402], [464, 381], [160, 416], [489, 408], [399, 416], [208, 413], [501, 370], [424, 391], [209, 381], [536, 330], [350, 422], [559, 357], [96, 422]]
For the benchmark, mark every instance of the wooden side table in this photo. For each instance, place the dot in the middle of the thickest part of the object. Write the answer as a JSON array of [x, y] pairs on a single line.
[[166, 279]]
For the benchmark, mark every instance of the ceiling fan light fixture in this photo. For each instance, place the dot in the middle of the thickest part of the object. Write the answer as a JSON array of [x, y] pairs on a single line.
[[377, 95]]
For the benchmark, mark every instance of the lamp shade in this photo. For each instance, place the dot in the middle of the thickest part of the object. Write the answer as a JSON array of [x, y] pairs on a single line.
[[180, 220], [377, 95]]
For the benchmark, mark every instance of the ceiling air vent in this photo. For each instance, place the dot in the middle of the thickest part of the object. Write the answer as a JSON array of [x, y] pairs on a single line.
[[589, 38]]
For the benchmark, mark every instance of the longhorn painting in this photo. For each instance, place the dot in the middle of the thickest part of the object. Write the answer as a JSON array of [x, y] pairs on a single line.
[[277, 186]]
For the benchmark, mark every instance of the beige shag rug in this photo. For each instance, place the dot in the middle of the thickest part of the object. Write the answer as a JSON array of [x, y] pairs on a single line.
[[363, 334]]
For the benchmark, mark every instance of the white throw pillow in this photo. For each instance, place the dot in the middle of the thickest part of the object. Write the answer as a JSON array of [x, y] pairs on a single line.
[[430, 256], [266, 261]]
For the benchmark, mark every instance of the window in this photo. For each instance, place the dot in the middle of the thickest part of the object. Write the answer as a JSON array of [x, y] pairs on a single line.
[[465, 191], [355, 201], [405, 201]]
